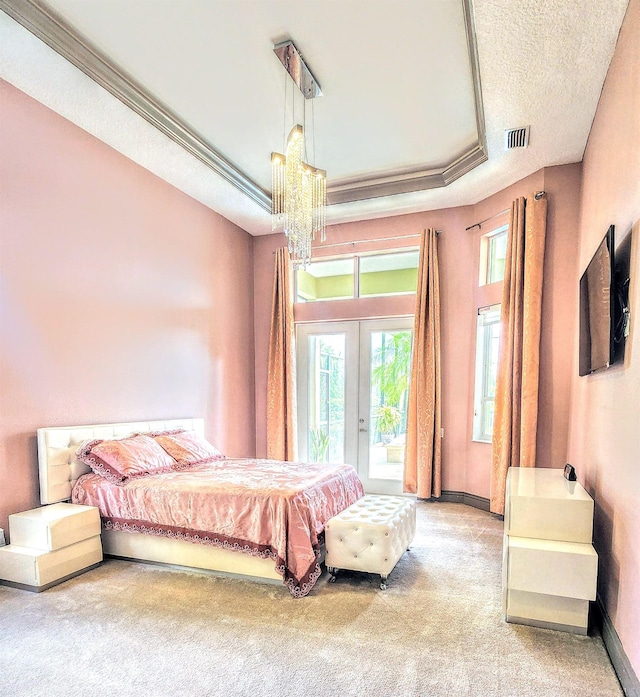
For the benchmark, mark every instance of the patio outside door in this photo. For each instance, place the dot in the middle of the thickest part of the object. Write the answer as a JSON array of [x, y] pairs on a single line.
[[353, 381]]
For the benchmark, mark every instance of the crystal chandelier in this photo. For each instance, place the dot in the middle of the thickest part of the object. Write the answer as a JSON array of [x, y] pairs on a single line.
[[299, 197]]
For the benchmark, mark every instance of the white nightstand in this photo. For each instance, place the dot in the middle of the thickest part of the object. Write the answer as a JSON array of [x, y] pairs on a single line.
[[549, 564], [50, 545]]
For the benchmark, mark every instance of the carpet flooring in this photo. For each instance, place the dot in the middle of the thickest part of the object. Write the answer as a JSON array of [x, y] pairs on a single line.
[[136, 629]]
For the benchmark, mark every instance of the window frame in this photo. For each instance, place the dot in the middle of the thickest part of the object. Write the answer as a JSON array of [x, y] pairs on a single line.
[[355, 258], [486, 258], [296, 289]]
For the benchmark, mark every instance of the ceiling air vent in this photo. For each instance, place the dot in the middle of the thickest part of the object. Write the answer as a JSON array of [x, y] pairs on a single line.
[[516, 138]]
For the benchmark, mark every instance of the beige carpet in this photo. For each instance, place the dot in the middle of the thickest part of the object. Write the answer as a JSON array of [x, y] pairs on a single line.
[[136, 629]]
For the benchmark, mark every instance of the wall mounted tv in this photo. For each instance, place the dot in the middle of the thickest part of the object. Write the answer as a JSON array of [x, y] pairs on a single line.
[[597, 309]]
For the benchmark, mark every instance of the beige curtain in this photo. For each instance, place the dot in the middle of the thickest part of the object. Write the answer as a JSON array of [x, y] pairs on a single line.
[[423, 453], [281, 376], [516, 407]]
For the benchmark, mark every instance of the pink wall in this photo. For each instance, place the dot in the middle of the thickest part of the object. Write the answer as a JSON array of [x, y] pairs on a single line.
[[559, 310], [562, 185], [121, 298], [466, 464], [605, 419]]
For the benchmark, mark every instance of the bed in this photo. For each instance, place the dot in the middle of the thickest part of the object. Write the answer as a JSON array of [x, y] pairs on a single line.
[[284, 506]]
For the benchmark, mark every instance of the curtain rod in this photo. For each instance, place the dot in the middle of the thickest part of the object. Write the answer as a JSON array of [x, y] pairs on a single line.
[[538, 195], [377, 239], [486, 220], [373, 239]]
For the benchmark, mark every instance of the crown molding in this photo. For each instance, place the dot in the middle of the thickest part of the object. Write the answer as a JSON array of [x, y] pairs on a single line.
[[421, 179], [49, 27], [408, 181], [52, 29]]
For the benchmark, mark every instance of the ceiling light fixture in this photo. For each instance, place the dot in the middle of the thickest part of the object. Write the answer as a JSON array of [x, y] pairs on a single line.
[[299, 196]]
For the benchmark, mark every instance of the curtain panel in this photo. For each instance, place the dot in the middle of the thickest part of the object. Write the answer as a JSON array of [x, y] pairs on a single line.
[[281, 375], [423, 451], [516, 406]]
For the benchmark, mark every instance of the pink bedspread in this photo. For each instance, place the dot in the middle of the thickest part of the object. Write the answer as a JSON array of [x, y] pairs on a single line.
[[261, 507]]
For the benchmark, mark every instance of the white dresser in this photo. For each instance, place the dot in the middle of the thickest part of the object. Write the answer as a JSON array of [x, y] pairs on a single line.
[[50, 545], [549, 567]]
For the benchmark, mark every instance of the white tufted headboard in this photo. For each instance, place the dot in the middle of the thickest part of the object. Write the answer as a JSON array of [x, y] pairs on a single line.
[[57, 462]]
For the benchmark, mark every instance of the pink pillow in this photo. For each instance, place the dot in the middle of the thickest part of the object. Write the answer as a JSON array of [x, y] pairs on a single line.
[[122, 460], [187, 447]]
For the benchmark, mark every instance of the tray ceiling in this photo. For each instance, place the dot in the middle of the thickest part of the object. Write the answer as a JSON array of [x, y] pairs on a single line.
[[416, 95]]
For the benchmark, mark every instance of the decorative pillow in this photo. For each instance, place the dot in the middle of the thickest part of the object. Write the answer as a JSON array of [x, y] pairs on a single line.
[[122, 460], [187, 447]]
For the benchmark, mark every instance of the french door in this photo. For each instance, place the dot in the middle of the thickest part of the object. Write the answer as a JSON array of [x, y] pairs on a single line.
[[353, 384]]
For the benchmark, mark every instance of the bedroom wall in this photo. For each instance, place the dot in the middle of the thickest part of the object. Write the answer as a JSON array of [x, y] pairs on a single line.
[[121, 298], [466, 464], [605, 407]]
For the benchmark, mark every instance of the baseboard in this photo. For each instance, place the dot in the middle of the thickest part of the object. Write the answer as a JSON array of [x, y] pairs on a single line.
[[462, 497], [621, 664]]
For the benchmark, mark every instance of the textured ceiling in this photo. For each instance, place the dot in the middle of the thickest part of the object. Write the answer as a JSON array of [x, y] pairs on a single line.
[[396, 77]]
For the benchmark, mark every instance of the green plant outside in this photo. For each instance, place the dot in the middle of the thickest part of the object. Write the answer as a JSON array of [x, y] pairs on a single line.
[[389, 418], [390, 379], [319, 441], [391, 372]]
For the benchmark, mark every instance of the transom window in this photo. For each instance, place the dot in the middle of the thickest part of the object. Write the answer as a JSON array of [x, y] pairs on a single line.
[[359, 276]]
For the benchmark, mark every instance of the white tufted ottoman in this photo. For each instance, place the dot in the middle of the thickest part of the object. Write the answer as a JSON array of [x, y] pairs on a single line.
[[370, 535]]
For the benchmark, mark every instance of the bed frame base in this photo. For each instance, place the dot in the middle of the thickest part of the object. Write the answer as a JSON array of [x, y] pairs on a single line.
[[179, 553]]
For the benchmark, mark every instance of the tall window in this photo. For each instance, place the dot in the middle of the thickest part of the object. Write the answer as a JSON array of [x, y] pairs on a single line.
[[487, 346], [493, 252]]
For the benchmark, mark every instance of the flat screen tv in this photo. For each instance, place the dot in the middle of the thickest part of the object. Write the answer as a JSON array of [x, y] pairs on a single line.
[[597, 309]]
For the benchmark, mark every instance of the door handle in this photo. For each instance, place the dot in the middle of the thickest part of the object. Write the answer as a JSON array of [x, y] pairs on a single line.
[[362, 430]]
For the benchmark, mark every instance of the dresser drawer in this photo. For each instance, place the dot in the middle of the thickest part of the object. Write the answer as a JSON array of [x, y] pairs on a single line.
[[550, 611], [543, 504], [550, 567], [37, 570], [52, 527]]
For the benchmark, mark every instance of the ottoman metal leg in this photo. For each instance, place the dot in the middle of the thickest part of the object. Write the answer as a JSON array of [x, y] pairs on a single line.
[[383, 582], [333, 573]]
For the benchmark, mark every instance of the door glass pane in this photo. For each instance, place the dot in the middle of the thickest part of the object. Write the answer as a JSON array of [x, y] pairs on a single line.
[[389, 392], [326, 392]]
